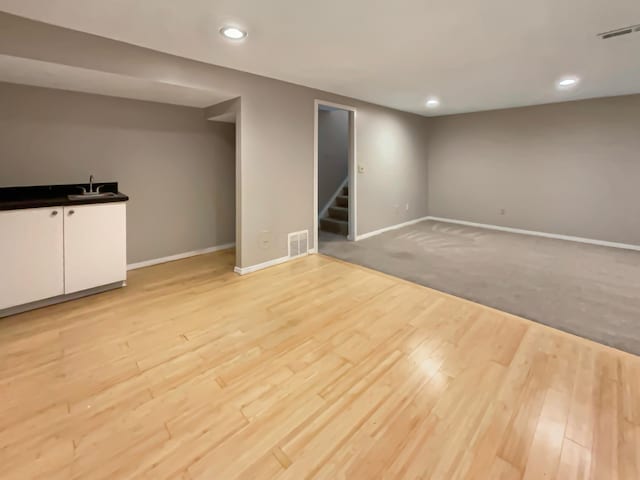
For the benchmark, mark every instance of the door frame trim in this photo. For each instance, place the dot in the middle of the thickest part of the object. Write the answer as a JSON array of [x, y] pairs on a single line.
[[352, 168]]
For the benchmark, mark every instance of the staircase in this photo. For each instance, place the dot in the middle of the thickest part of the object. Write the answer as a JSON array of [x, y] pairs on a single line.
[[337, 217]]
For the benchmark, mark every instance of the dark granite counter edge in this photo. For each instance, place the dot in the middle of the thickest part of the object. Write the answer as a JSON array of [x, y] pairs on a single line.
[[58, 202], [41, 196]]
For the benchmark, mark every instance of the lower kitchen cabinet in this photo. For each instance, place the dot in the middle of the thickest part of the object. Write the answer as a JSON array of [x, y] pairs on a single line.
[[47, 253], [95, 246], [31, 255]]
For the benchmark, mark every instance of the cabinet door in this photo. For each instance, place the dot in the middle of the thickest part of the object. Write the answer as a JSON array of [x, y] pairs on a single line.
[[31, 259], [95, 246]]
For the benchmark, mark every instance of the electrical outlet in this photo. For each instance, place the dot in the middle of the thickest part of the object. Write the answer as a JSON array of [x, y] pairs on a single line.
[[265, 239], [407, 207], [502, 211]]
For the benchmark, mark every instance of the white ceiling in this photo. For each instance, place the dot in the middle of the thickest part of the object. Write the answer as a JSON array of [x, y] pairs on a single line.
[[52, 75], [474, 55]]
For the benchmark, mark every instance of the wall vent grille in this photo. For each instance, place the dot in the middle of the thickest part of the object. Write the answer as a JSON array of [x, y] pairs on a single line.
[[619, 32], [298, 243]]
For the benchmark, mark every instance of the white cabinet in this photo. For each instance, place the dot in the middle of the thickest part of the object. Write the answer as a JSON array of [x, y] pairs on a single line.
[[94, 245], [47, 253], [31, 255]]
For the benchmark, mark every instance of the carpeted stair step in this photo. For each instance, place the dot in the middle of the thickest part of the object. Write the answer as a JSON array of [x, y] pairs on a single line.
[[334, 226], [345, 191], [339, 213], [342, 201]]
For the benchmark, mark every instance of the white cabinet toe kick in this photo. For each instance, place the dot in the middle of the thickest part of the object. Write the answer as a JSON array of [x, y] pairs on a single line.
[[54, 254]]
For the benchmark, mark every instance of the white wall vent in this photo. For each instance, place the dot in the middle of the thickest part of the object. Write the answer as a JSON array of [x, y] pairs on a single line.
[[298, 243]]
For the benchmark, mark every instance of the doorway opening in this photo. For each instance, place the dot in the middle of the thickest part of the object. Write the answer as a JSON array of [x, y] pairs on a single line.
[[335, 173], [226, 115]]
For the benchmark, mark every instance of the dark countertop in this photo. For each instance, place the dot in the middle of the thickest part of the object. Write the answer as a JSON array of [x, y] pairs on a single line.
[[15, 198]]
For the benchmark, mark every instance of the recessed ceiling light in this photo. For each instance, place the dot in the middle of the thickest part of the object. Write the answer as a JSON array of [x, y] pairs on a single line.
[[233, 33], [567, 82], [433, 102]]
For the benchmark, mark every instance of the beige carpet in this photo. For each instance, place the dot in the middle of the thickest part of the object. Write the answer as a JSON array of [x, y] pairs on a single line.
[[586, 290]]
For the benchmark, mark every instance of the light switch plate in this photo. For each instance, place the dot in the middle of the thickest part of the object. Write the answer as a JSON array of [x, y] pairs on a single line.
[[360, 168]]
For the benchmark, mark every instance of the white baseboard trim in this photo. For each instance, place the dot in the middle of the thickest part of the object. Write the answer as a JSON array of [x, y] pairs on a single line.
[[260, 266], [392, 227], [179, 256], [569, 238]]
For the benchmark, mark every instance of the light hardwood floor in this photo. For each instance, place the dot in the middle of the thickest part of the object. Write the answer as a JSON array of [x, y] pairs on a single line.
[[312, 369]]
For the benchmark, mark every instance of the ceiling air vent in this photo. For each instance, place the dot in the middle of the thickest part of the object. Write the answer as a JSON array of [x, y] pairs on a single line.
[[298, 243], [619, 31]]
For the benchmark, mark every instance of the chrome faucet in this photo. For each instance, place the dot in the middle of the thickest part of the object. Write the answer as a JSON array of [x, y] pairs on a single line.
[[91, 192]]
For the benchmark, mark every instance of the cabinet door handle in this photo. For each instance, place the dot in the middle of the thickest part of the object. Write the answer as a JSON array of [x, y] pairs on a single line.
[[71, 212], [54, 213]]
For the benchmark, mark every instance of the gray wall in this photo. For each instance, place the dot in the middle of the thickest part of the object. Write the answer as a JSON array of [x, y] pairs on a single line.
[[393, 149], [564, 168], [177, 167], [275, 170], [333, 153], [571, 168]]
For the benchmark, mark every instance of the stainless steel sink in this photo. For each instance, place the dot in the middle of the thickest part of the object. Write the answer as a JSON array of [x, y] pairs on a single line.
[[89, 195]]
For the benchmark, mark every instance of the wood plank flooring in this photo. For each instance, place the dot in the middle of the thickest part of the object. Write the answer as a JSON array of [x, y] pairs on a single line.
[[311, 369]]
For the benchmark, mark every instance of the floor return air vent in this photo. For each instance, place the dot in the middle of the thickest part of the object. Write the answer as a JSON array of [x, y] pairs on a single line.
[[298, 243]]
